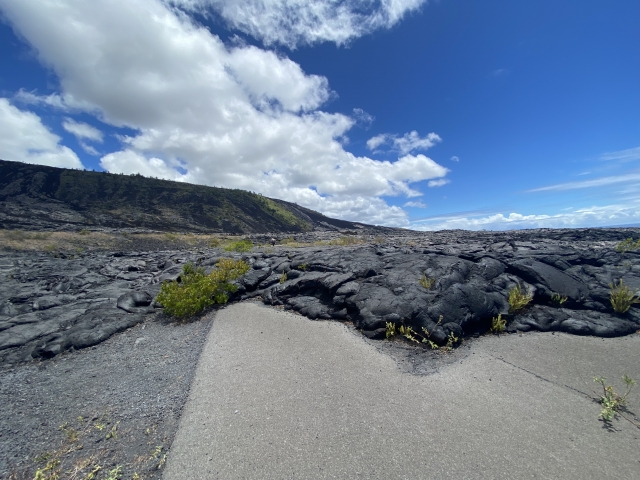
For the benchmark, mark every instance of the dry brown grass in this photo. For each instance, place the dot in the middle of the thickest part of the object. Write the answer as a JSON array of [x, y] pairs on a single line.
[[54, 241]]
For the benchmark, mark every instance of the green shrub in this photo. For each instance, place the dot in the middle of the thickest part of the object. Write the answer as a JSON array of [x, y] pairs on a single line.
[[628, 244], [215, 242], [518, 298], [244, 245], [197, 291], [498, 324], [622, 297]]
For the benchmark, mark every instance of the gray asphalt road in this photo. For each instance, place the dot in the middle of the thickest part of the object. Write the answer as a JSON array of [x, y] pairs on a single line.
[[277, 396]]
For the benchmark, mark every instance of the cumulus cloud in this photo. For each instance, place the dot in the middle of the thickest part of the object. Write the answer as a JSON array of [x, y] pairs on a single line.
[[299, 22], [233, 116], [407, 143], [82, 131], [455, 159], [617, 214], [23, 138]]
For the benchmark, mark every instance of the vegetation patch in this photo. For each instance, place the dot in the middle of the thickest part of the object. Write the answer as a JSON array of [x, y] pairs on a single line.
[[427, 282], [241, 246], [197, 290], [410, 334], [613, 403], [518, 298], [498, 324], [622, 297], [557, 299], [628, 244]]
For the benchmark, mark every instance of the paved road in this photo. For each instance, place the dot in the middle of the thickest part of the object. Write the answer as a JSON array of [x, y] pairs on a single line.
[[277, 396]]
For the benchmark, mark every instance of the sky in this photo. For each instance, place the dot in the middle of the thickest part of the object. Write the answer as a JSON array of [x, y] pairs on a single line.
[[428, 115]]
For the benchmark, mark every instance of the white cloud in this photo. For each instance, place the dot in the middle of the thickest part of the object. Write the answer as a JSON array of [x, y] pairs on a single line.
[[596, 182], [375, 142], [595, 216], [412, 141], [89, 149], [415, 204], [129, 162], [233, 116], [455, 159], [409, 142], [624, 155], [23, 138], [438, 183], [65, 102], [82, 130], [363, 118], [299, 22]]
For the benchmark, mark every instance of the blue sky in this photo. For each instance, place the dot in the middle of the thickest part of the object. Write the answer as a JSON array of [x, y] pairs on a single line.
[[450, 114]]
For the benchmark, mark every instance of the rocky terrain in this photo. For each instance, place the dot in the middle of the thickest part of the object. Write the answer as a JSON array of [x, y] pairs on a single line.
[[93, 375], [52, 303]]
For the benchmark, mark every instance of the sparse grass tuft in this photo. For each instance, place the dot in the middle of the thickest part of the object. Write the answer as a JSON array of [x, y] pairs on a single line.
[[427, 282], [84, 231], [283, 277], [558, 299], [410, 334], [622, 297], [518, 298], [391, 329], [197, 290], [346, 241], [611, 401], [628, 244], [498, 324]]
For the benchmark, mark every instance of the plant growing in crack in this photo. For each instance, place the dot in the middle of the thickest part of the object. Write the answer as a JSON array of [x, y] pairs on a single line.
[[558, 299], [410, 334], [622, 297], [427, 282], [519, 298], [613, 403], [498, 324]]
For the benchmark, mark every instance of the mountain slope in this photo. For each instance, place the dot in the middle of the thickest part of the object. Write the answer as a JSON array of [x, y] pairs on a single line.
[[40, 197]]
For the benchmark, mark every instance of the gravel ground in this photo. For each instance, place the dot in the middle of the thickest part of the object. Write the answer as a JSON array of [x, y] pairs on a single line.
[[135, 385], [115, 404]]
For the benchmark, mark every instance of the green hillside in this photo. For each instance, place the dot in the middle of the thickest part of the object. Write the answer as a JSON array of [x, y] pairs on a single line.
[[50, 197]]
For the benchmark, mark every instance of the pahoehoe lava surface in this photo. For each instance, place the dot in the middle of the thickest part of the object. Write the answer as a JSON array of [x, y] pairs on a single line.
[[49, 304]]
